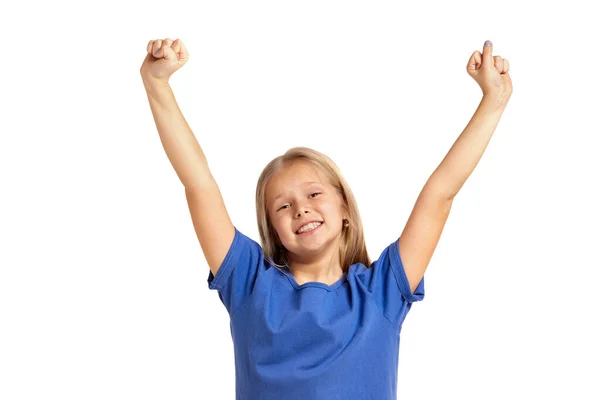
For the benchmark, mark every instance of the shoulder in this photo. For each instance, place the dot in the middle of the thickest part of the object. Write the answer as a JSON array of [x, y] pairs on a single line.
[[361, 272], [373, 274], [242, 241], [386, 256]]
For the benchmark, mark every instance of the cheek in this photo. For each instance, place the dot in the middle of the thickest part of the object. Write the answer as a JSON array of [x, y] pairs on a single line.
[[330, 208], [278, 224]]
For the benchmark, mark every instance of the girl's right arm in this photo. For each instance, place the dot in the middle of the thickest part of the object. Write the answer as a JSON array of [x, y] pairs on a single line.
[[211, 221]]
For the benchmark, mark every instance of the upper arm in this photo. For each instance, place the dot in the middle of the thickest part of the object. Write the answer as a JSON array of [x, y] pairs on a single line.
[[422, 232], [212, 224]]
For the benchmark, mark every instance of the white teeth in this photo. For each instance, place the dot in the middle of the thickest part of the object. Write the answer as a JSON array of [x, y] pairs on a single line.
[[309, 227]]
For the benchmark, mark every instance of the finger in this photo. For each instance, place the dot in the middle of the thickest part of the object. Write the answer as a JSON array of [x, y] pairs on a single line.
[[149, 47], [508, 80], [474, 62], [499, 63], [506, 66], [156, 48], [180, 50], [487, 54], [176, 46], [164, 47], [168, 53]]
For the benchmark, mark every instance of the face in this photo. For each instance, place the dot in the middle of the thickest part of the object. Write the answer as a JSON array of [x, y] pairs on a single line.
[[296, 195]]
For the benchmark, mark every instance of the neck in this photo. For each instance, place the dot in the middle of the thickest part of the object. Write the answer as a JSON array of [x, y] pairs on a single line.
[[325, 268]]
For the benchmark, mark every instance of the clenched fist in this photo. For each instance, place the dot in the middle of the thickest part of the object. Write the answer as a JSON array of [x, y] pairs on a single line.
[[491, 73], [164, 57]]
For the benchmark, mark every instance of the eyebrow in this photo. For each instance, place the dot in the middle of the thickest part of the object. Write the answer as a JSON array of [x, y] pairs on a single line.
[[305, 183]]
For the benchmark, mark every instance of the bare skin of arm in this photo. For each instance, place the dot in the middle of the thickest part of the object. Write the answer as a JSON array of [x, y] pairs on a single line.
[[212, 224]]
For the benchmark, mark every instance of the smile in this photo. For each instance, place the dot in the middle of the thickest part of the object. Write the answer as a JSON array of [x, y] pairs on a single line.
[[309, 228]]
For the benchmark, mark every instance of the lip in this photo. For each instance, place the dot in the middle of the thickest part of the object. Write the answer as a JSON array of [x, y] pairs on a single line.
[[311, 231]]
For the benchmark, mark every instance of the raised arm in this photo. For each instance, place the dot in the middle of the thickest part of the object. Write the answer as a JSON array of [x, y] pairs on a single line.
[[426, 222], [211, 221]]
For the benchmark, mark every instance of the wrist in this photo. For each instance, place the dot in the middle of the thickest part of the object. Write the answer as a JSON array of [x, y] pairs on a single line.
[[156, 88], [495, 101], [151, 82]]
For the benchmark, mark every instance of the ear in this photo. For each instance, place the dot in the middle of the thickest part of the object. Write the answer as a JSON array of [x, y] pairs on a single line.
[[345, 210]]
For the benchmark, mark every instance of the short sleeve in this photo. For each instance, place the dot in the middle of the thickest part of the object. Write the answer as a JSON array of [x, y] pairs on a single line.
[[390, 287], [238, 272]]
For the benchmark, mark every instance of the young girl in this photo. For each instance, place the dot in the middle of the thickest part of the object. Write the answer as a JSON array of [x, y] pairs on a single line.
[[311, 316]]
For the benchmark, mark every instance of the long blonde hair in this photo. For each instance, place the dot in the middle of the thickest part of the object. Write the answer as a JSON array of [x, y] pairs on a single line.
[[352, 248]]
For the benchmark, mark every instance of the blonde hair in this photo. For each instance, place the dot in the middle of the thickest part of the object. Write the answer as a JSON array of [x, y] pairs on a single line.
[[352, 248]]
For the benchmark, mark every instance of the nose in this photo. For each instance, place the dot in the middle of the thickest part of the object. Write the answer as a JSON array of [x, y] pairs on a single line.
[[302, 209], [300, 213]]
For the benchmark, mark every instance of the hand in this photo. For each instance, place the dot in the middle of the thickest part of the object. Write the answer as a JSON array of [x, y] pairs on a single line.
[[491, 74], [164, 57]]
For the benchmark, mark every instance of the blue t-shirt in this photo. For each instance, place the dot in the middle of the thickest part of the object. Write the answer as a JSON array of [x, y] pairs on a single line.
[[314, 341]]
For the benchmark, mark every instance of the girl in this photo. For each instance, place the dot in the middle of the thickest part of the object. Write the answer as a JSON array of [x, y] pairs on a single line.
[[311, 316]]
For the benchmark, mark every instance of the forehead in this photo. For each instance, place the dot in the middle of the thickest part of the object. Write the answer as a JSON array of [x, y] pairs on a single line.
[[292, 176]]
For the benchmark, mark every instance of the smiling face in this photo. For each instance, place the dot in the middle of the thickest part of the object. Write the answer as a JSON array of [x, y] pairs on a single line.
[[296, 195]]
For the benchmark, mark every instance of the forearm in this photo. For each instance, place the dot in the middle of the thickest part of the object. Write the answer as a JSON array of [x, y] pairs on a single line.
[[178, 140], [467, 150]]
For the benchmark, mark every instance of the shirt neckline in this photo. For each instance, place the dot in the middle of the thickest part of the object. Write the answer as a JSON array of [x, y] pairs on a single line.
[[321, 285]]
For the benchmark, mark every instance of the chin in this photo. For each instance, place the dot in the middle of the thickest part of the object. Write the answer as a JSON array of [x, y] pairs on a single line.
[[315, 245]]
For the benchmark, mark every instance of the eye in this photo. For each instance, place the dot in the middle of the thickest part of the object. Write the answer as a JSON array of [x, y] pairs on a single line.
[[311, 196]]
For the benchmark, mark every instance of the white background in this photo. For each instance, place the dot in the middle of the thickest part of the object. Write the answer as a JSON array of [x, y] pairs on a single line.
[[103, 291]]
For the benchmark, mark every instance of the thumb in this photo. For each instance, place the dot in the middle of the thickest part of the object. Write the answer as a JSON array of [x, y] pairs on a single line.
[[488, 60]]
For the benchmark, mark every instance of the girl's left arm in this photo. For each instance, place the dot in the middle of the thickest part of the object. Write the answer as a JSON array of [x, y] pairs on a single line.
[[426, 222]]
